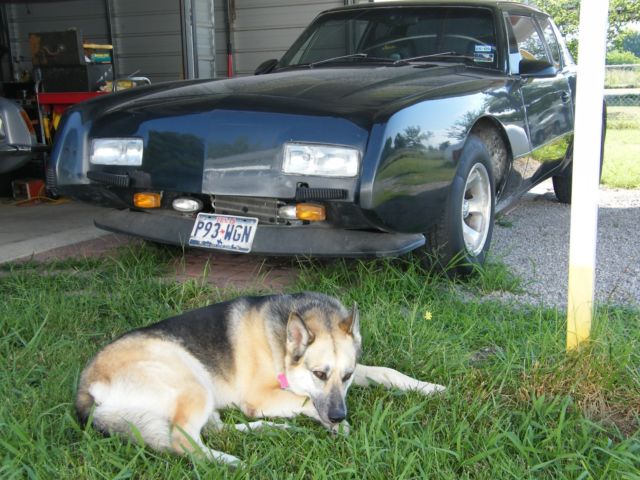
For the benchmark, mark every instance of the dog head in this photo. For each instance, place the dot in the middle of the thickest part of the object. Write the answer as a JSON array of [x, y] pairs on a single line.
[[323, 345]]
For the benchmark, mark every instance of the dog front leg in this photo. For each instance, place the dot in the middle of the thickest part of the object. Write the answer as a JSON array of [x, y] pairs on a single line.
[[286, 404], [365, 375], [281, 403]]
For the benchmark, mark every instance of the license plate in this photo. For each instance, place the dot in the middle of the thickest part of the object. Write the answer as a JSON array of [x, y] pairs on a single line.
[[224, 232]]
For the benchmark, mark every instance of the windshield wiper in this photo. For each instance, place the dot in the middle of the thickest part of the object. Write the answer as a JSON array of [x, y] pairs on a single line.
[[355, 56], [341, 57], [436, 55]]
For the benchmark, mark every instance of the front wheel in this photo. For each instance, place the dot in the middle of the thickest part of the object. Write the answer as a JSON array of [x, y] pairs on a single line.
[[459, 242]]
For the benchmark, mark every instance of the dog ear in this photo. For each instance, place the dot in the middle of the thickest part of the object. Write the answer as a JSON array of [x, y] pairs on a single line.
[[351, 324], [298, 336]]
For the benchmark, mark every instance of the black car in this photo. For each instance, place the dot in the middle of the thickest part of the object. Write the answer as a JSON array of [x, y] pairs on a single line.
[[385, 128]]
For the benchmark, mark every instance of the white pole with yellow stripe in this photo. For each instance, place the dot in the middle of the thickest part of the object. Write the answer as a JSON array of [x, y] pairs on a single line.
[[586, 168]]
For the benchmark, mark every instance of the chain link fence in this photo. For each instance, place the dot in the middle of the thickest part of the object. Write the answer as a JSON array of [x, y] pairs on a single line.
[[622, 85]]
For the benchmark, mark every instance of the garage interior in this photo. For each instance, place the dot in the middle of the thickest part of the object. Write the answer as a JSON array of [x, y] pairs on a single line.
[[56, 53], [45, 45]]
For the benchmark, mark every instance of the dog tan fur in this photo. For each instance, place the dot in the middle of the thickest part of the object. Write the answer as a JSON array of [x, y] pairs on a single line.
[[272, 356]]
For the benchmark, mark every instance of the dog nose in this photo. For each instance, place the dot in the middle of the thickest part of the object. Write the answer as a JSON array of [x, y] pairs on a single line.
[[337, 418], [337, 415]]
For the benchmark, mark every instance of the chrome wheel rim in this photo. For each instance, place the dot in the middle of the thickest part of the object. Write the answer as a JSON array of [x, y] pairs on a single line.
[[475, 213]]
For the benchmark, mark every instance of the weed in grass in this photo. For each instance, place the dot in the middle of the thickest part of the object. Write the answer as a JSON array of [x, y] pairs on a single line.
[[503, 222], [494, 277], [523, 410]]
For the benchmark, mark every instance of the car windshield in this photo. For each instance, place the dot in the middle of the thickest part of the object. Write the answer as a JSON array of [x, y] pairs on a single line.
[[397, 34]]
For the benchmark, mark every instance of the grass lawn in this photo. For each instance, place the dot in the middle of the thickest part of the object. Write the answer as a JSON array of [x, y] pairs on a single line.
[[516, 405], [621, 167]]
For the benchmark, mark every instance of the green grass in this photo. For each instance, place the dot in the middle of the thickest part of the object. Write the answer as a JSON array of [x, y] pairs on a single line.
[[622, 78], [621, 167], [516, 405]]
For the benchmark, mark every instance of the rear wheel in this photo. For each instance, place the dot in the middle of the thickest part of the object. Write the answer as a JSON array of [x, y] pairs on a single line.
[[460, 240], [562, 182], [562, 185]]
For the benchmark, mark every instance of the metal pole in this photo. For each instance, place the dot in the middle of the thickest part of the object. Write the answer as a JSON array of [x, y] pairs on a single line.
[[114, 68], [586, 169], [194, 41], [228, 18]]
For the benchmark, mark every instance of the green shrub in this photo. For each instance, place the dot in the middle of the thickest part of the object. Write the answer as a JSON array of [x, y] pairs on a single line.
[[619, 57]]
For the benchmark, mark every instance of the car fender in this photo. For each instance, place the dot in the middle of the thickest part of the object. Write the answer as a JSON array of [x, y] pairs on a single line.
[[412, 157]]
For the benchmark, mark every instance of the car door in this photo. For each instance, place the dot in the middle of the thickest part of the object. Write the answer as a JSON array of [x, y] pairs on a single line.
[[547, 97]]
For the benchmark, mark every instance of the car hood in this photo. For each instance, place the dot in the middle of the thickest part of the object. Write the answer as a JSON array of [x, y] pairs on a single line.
[[353, 92]]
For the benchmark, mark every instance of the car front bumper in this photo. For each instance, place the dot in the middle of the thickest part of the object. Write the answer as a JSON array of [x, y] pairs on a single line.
[[274, 240]]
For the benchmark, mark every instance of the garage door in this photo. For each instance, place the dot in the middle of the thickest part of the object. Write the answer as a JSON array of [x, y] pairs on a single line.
[[151, 39], [264, 29], [148, 38]]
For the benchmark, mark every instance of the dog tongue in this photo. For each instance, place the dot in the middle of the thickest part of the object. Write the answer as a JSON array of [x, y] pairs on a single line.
[[282, 379]]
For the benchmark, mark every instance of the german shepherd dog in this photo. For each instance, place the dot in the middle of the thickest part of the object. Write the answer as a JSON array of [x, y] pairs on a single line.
[[270, 356]]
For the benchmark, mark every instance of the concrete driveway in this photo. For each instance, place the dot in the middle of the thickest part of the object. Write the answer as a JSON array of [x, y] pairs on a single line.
[[29, 229], [47, 231]]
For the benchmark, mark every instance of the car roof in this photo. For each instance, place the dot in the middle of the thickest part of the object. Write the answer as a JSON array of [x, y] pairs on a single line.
[[501, 4]]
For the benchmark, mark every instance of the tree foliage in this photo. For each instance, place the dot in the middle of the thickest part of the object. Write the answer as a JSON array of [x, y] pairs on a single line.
[[566, 14], [630, 41]]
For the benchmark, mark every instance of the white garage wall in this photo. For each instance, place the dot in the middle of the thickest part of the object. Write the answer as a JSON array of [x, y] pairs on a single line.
[[263, 29]]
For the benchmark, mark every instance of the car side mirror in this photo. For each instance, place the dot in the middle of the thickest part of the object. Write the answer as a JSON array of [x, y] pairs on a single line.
[[266, 66], [536, 68]]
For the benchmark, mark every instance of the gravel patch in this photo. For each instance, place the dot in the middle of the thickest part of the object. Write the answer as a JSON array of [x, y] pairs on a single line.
[[533, 241]]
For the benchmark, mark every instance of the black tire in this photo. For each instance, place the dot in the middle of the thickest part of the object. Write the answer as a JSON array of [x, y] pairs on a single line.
[[447, 246], [562, 182], [562, 185]]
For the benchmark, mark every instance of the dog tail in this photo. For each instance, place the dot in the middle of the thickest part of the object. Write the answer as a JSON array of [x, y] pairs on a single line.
[[84, 404]]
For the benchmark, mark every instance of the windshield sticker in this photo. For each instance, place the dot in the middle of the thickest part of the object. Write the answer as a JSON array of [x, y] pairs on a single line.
[[483, 57], [483, 54]]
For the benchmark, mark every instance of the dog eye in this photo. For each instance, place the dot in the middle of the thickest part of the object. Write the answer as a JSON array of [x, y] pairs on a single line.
[[346, 377], [321, 375]]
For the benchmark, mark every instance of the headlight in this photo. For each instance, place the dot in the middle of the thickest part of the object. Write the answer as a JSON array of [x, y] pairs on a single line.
[[323, 160], [116, 151]]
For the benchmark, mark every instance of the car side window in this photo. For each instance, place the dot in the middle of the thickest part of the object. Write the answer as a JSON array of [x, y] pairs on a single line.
[[528, 39], [566, 54], [552, 41]]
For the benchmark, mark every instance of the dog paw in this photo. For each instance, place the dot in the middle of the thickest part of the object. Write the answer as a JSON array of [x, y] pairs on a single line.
[[342, 428], [225, 458], [258, 425], [426, 388]]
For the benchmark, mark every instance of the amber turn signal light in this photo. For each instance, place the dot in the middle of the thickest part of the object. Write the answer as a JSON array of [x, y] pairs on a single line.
[[147, 200], [310, 212]]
